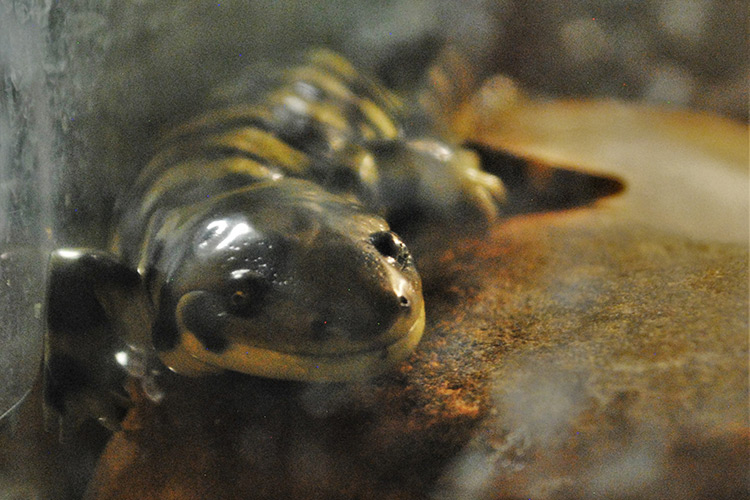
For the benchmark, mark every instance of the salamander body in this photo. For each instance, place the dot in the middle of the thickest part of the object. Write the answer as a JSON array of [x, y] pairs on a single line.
[[256, 240]]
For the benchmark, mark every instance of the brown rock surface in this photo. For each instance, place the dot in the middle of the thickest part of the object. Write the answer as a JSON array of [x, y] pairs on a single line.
[[599, 352]]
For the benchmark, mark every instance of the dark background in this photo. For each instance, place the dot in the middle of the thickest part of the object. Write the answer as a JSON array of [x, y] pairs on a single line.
[[689, 53]]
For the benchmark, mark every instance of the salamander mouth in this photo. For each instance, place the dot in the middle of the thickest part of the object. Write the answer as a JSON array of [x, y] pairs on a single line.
[[340, 366]]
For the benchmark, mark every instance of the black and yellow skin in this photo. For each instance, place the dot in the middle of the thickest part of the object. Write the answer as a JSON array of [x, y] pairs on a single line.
[[256, 240]]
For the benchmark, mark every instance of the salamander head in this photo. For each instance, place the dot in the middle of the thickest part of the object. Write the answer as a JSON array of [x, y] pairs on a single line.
[[284, 280]]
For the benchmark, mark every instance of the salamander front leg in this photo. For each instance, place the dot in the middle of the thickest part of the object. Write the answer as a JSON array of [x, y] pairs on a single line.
[[82, 376]]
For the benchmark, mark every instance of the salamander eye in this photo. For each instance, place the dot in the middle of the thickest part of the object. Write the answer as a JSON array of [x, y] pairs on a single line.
[[248, 295], [239, 298]]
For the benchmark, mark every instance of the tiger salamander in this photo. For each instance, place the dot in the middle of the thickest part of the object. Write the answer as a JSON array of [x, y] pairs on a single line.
[[256, 240]]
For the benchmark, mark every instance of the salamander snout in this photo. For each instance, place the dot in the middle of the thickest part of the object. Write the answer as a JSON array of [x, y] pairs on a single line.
[[395, 252]]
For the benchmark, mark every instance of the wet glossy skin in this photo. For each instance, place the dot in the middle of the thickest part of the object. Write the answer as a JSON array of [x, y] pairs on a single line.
[[285, 277], [255, 240], [305, 286]]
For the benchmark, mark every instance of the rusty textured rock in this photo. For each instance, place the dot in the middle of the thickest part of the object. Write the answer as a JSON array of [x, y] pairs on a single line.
[[595, 352]]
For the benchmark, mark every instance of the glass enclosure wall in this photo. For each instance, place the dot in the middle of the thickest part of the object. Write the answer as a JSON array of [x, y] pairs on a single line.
[[29, 139]]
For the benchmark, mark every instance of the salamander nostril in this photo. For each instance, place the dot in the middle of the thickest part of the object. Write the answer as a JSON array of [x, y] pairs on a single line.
[[386, 243], [389, 245], [404, 302]]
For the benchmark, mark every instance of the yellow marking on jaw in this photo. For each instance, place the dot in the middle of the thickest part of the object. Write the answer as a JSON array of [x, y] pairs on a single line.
[[190, 356], [264, 362], [179, 361]]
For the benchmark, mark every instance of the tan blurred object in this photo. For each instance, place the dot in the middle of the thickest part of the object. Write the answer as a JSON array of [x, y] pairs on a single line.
[[686, 172]]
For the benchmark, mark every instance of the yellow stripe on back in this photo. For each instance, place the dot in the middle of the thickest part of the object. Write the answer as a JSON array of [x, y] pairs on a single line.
[[264, 145], [338, 93], [201, 169], [342, 68], [217, 119], [379, 119], [322, 112], [323, 80]]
